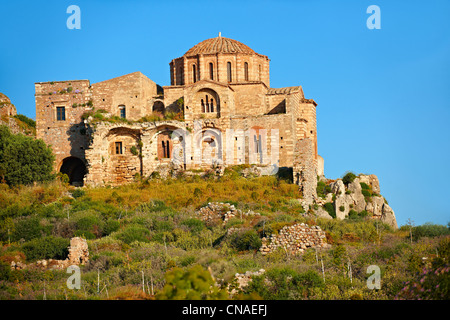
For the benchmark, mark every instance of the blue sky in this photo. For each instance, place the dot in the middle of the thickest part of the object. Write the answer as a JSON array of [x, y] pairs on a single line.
[[383, 95]]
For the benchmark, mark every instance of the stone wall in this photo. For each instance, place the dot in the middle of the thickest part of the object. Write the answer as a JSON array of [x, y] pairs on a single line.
[[305, 171], [295, 239], [78, 255]]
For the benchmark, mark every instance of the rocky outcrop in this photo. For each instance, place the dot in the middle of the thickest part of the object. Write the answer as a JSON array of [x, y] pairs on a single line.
[[354, 199], [295, 239], [78, 254]]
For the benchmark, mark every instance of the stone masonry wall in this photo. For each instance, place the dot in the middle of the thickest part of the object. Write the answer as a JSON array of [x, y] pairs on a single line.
[[295, 239]]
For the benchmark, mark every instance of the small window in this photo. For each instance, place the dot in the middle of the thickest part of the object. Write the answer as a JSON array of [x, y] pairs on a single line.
[[122, 112], [194, 73], [229, 72], [246, 71], [257, 143], [118, 148], [166, 149], [259, 72], [211, 71], [61, 113]]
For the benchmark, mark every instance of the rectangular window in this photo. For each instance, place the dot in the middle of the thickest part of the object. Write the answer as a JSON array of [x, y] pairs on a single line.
[[61, 113], [118, 147], [122, 112]]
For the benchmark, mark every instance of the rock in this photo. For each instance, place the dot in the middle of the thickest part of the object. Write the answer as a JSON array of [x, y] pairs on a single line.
[[356, 195], [375, 206], [372, 181], [388, 216], [338, 187]]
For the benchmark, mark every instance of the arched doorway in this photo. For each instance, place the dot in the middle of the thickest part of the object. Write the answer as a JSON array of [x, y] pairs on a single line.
[[75, 170]]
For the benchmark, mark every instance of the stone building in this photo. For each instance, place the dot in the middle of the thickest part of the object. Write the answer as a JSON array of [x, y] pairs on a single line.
[[219, 109]]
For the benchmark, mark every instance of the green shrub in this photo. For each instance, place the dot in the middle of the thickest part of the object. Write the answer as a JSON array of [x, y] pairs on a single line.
[[78, 193], [85, 234], [46, 248], [192, 284], [429, 230], [246, 240], [110, 226], [194, 225], [134, 233], [366, 193], [24, 160], [134, 150], [342, 208], [365, 186], [349, 177], [329, 207], [25, 119], [27, 229]]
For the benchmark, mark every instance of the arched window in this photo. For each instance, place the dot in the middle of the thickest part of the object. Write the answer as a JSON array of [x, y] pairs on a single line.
[[203, 106], [259, 72], [180, 76], [212, 105], [229, 72], [246, 71], [211, 71], [122, 112], [194, 73]]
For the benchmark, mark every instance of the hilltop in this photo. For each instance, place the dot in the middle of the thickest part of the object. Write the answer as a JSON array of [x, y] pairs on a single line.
[[144, 238]]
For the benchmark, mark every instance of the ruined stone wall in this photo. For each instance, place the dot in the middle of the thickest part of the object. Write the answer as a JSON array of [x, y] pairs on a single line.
[[66, 137], [132, 91], [304, 170], [295, 239]]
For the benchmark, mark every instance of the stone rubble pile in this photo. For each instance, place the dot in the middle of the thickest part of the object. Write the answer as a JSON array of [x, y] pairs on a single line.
[[221, 211], [78, 254], [243, 279], [295, 239]]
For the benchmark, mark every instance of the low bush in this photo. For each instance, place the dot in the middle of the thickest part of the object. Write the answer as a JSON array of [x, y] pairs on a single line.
[[349, 177], [46, 248], [134, 233], [246, 240]]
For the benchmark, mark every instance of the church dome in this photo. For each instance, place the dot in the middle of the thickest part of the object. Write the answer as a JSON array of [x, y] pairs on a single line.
[[219, 45]]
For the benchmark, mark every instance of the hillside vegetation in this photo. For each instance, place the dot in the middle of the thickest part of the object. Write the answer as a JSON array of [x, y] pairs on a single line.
[[146, 242]]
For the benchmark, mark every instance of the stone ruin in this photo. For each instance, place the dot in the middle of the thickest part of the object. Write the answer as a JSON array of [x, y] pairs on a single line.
[[215, 211], [243, 279], [78, 255], [295, 239]]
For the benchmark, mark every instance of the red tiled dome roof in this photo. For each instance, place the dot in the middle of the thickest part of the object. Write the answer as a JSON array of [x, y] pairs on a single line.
[[219, 45]]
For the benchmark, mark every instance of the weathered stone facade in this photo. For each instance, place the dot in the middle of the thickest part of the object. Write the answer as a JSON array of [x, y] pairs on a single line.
[[225, 109]]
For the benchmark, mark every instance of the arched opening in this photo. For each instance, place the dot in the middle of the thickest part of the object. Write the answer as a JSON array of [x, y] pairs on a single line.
[[75, 170], [158, 107], [209, 147], [194, 73], [208, 100], [229, 77], [246, 71], [211, 71]]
